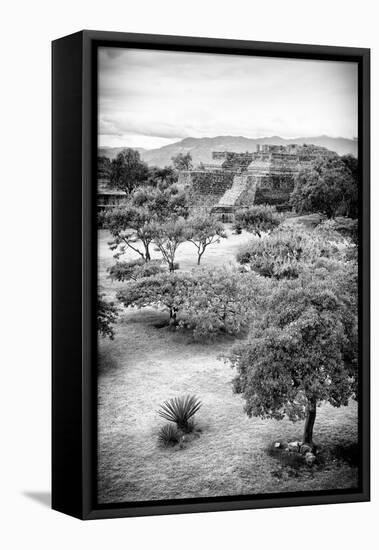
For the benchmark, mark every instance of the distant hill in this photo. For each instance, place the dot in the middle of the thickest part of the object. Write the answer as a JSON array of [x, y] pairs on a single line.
[[201, 148]]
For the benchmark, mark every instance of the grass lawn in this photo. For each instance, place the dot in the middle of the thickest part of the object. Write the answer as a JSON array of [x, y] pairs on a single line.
[[146, 364]]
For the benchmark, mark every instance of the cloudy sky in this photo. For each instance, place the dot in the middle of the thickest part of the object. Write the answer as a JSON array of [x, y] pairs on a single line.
[[149, 98]]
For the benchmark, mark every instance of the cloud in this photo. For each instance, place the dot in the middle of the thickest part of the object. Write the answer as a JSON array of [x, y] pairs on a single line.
[[170, 95]]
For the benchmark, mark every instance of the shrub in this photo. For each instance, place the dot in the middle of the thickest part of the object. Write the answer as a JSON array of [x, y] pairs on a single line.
[[134, 270], [180, 410], [107, 314], [168, 435], [257, 219], [288, 251]]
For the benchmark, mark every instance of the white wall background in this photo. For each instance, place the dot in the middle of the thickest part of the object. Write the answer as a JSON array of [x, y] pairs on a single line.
[[26, 31]]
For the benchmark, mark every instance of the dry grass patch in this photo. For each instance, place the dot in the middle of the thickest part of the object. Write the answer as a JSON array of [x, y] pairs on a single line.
[[147, 364]]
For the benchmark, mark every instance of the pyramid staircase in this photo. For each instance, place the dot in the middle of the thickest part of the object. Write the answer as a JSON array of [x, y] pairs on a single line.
[[243, 188], [231, 196]]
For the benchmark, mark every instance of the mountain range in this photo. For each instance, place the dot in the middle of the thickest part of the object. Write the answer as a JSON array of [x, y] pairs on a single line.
[[201, 148]]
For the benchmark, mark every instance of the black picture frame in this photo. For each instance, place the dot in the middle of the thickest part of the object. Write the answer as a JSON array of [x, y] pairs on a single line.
[[74, 133]]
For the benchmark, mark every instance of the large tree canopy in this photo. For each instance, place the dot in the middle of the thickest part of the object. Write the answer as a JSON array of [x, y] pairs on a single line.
[[303, 350], [206, 301], [329, 187]]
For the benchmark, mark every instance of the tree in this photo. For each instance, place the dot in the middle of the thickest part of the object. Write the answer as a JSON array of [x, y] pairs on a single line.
[[257, 219], [207, 302], [103, 167], [162, 177], [128, 170], [351, 163], [202, 231], [182, 161], [163, 202], [351, 205], [327, 187], [220, 301], [135, 224], [129, 226], [163, 290], [167, 237], [107, 314], [303, 351]]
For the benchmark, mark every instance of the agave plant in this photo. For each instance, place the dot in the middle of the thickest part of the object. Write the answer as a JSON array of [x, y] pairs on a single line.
[[168, 435], [180, 410]]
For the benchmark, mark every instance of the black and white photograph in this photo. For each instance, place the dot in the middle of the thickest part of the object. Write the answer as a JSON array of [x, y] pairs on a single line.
[[227, 275]]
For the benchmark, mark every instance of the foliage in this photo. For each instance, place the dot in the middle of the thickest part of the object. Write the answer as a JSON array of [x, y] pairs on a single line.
[[135, 269], [128, 170], [303, 349], [167, 237], [103, 167], [162, 177], [276, 192], [327, 187], [257, 219], [182, 161], [168, 435], [220, 301], [129, 225], [162, 201], [180, 410], [207, 301], [202, 231], [107, 314], [287, 251], [163, 290], [351, 163], [137, 220], [348, 228]]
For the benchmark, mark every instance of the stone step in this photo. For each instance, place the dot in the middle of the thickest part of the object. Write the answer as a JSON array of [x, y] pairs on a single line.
[[231, 195]]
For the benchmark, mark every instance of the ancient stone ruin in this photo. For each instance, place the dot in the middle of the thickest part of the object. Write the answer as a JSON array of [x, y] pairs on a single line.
[[234, 180]]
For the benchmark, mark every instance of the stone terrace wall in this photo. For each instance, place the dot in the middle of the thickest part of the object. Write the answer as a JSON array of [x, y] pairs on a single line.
[[206, 185]]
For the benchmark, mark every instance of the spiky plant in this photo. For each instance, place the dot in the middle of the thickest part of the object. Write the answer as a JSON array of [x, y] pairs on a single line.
[[180, 410], [168, 435]]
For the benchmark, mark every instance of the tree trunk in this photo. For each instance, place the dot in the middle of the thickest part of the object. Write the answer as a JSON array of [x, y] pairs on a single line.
[[171, 266], [309, 422], [173, 317], [147, 253]]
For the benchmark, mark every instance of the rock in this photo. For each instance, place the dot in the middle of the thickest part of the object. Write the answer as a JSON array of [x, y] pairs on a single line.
[[306, 448], [294, 446], [277, 445], [310, 459]]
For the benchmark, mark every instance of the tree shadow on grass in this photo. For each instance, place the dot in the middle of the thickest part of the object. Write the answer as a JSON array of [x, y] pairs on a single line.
[[106, 362]]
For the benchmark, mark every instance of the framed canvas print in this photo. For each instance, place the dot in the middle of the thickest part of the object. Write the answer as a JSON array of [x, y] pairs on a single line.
[[210, 275]]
